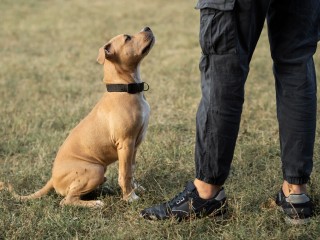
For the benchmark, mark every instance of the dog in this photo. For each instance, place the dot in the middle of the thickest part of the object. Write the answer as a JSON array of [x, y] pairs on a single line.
[[112, 131]]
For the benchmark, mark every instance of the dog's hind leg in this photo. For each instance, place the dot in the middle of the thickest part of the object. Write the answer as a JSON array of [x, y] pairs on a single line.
[[87, 181], [76, 201], [76, 190]]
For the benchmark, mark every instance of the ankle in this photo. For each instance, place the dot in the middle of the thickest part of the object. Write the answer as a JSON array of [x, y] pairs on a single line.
[[206, 190], [288, 188]]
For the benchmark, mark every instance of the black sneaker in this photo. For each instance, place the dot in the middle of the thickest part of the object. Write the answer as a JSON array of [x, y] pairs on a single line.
[[297, 207], [187, 204]]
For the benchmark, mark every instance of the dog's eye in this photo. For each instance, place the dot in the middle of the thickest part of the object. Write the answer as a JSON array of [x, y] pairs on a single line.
[[127, 37]]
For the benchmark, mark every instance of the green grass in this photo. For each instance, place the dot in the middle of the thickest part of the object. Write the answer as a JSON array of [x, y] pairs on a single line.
[[49, 81]]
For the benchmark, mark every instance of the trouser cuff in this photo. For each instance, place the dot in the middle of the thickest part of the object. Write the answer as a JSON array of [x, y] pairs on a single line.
[[213, 181], [297, 180]]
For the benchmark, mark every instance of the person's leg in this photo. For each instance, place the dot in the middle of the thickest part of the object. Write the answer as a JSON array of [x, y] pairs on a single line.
[[228, 36], [228, 39], [293, 34]]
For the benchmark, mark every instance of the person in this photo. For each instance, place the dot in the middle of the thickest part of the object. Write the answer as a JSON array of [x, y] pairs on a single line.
[[229, 31]]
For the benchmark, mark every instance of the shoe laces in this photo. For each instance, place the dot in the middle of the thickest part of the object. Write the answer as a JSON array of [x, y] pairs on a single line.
[[179, 198]]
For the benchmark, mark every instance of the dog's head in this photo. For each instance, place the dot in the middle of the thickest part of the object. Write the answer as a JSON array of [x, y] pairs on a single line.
[[126, 50]]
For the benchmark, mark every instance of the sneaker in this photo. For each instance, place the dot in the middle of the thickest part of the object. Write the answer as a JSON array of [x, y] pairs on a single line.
[[187, 204], [298, 208]]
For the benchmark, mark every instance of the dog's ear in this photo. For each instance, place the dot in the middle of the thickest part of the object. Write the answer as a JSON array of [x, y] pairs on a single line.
[[105, 52]]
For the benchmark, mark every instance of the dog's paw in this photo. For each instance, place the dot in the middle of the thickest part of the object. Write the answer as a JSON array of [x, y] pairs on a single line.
[[132, 197], [98, 204], [138, 187]]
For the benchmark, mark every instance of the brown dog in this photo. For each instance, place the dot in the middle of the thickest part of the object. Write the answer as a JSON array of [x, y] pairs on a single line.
[[112, 131]]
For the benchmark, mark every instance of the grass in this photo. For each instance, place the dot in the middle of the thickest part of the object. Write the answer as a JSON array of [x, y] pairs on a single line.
[[49, 81]]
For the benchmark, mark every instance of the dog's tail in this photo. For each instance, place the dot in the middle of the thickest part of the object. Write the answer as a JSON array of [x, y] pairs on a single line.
[[43, 191]]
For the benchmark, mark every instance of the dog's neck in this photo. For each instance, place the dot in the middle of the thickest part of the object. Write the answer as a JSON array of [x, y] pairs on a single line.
[[113, 74]]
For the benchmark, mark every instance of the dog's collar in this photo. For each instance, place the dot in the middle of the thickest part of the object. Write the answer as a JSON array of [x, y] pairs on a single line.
[[131, 88]]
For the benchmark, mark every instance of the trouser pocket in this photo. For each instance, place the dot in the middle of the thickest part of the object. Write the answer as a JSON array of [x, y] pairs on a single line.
[[217, 30]]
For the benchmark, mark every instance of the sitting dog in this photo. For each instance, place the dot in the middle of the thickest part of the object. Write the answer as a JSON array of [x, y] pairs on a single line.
[[112, 131]]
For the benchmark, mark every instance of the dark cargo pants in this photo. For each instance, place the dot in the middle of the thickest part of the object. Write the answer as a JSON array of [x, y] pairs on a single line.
[[229, 31]]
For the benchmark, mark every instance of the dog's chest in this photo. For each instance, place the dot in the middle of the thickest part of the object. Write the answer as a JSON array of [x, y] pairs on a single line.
[[136, 113], [126, 114]]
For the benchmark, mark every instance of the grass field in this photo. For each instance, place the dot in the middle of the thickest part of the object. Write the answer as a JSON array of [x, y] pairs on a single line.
[[49, 80]]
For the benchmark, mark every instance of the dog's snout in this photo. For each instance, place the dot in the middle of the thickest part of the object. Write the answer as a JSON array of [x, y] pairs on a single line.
[[146, 29]]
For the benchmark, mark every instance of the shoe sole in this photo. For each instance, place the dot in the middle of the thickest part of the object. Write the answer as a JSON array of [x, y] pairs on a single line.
[[218, 214], [221, 213], [295, 222], [220, 217], [292, 221]]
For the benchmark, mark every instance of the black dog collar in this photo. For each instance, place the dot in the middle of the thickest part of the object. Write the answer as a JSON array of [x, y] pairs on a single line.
[[131, 88]]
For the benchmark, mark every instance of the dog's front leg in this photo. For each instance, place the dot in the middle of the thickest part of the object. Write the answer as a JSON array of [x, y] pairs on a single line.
[[135, 184], [126, 155]]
